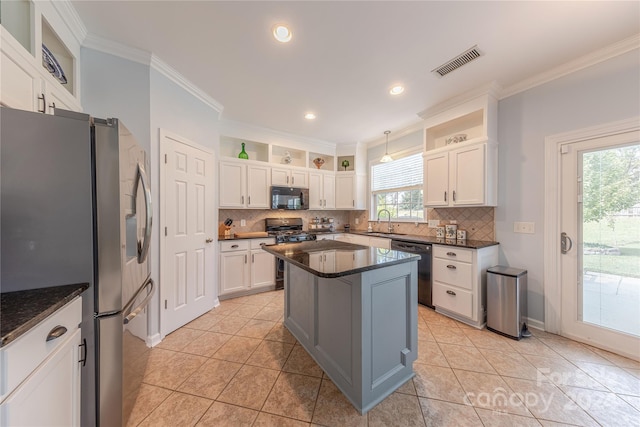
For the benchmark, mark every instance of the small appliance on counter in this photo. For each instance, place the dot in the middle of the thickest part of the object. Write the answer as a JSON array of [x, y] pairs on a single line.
[[347, 228]]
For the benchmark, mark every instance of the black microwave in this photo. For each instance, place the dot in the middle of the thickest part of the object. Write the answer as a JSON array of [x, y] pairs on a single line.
[[289, 198]]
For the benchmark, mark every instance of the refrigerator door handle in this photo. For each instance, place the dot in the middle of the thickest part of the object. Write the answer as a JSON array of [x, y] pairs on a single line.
[[128, 312], [143, 249]]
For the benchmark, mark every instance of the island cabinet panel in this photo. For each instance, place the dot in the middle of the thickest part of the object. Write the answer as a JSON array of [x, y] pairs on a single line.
[[299, 303], [360, 328], [335, 325]]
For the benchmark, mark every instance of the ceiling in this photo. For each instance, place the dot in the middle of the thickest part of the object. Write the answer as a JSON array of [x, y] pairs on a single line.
[[345, 55]]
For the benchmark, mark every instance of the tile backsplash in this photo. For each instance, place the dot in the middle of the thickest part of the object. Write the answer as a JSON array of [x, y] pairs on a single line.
[[255, 218], [478, 222]]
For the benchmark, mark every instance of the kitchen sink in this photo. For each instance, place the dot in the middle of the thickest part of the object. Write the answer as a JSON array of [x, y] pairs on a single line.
[[384, 233]]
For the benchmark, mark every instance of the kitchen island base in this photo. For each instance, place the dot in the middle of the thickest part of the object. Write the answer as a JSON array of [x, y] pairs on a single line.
[[360, 328]]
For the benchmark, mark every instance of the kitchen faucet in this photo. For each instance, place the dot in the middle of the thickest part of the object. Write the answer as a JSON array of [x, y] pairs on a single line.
[[389, 225]]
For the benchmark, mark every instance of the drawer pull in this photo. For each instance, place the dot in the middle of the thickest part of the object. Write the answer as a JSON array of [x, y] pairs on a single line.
[[451, 293], [453, 267], [56, 332], [451, 253], [83, 359], [234, 246]]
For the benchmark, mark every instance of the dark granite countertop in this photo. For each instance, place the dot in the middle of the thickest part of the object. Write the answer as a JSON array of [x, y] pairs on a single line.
[[415, 238], [349, 258], [22, 310]]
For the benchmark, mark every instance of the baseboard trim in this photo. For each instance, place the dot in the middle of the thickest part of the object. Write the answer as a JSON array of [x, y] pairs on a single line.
[[154, 340], [533, 323]]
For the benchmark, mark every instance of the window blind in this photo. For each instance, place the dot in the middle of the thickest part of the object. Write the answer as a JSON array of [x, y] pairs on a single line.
[[401, 173]]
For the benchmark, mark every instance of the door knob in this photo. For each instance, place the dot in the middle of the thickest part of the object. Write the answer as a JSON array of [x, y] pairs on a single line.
[[209, 240]]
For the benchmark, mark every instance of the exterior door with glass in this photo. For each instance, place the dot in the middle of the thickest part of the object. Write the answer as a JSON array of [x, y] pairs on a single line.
[[600, 241]]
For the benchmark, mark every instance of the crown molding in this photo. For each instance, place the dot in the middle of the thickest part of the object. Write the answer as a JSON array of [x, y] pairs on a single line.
[[120, 50], [71, 18], [173, 75], [492, 90], [140, 56], [592, 58]]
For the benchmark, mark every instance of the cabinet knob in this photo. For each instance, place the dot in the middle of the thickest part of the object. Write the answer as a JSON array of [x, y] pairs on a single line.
[[209, 240]]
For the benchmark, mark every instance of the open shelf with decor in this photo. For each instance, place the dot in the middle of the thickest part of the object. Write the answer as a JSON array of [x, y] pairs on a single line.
[[57, 59], [321, 161], [288, 156], [232, 147], [467, 120], [346, 163]]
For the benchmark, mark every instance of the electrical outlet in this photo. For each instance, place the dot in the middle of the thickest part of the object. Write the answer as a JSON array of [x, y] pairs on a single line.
[[243, 223], [357, 221], [434, 223], [453, 221], [524, 227]]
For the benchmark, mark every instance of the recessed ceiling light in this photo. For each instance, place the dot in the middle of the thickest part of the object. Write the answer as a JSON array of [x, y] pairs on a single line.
[[282, 33], [396, 90], [309, 116]]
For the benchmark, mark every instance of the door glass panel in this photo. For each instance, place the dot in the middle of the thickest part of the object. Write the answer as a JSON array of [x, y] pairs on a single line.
[[610, 239]]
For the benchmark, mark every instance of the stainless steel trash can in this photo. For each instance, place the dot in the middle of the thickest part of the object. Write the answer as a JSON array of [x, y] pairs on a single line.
[[507, 301]]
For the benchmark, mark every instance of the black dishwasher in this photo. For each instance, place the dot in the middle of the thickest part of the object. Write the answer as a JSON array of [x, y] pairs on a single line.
[[424, 267]]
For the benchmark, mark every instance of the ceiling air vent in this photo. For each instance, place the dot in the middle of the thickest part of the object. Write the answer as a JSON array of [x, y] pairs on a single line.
[[457, 62]]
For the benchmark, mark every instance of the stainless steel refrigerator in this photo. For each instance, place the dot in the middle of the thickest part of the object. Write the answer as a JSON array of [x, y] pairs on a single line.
[[76, 207]]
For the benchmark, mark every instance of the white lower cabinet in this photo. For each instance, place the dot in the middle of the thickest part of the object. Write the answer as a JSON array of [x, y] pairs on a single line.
[[41, 379], [245, 267], [459, 282]]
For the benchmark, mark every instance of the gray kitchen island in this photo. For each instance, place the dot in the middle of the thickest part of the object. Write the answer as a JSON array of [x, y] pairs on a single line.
[[354, 309]]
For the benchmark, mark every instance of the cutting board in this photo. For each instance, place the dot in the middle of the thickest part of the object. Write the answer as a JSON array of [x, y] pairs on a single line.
[[251, 234]]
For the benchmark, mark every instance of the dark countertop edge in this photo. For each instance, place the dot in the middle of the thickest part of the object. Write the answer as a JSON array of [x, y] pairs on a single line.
[[415, 238], [358, 270], [34, 319]]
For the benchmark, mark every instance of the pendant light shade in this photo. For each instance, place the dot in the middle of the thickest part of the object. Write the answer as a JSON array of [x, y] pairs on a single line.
[[386, 158]]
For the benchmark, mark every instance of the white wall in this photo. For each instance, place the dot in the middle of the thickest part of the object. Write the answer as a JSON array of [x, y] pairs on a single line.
[[145, 101], [602, 93], [179, 112], [116, 87]]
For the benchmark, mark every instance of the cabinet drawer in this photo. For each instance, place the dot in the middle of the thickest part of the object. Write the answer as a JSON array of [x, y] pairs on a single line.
[[453, 299], [234, 245], [453, 253], [453, 272], [27, 352], [257, 243]]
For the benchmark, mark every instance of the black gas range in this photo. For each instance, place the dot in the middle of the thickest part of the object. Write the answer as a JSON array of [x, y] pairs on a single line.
[[287, 230]]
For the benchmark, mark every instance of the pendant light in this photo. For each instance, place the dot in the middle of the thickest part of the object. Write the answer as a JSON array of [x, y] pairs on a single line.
[[386, 158]]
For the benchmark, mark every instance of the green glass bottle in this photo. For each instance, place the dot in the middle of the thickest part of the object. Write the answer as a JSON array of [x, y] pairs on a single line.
[[243, 154]]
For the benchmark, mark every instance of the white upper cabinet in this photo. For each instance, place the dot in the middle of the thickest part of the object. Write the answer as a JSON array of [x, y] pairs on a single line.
[[39, 58], [461, 152], [244, 185], [350, 191], [289, 177], [322, 190]]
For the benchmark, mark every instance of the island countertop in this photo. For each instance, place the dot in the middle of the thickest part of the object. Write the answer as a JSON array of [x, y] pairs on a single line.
[[349, 258]]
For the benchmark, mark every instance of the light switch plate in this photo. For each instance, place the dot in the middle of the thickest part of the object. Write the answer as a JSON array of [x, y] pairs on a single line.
[[243, 223], [434, 223], [524, 227]]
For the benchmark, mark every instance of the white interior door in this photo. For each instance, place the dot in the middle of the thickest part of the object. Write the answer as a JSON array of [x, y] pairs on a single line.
[[188, 246], [600, 241]]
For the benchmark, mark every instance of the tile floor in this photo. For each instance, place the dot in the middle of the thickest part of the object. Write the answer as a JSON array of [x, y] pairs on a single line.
[[238, 366]]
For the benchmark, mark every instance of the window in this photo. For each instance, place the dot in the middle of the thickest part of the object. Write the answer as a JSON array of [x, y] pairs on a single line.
[[397, 187]]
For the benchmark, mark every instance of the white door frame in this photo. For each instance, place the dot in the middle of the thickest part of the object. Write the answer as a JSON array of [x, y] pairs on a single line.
[[552, 272], [162, 223]]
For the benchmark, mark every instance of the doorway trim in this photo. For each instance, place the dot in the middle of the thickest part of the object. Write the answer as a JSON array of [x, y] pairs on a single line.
[[552, 274]]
